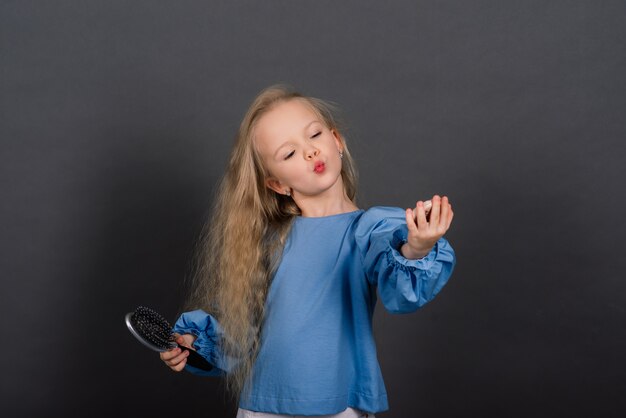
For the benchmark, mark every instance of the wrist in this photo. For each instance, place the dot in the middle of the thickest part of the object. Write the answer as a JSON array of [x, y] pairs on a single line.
[[411, 253]]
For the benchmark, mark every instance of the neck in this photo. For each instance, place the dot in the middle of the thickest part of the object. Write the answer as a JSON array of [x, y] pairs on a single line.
[[332, 202]]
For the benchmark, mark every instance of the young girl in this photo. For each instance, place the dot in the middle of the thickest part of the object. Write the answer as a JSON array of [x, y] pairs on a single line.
[[286, 287]]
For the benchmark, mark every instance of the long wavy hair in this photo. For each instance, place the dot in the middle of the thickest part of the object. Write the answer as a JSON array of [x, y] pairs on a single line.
[[241, 243]]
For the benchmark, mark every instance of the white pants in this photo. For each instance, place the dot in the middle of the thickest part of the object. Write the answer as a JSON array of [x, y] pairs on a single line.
[[348, 413]]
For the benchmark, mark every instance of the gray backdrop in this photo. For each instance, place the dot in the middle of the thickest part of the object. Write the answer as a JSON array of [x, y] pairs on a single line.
[[116, 121]]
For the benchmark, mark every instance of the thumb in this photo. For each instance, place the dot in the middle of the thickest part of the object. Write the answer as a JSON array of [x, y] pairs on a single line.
[[178, 338], [186, 340]]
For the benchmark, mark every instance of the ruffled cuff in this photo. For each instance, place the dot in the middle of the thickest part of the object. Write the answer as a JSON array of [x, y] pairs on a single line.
[[398, 239], [406, 285], [207, 332]]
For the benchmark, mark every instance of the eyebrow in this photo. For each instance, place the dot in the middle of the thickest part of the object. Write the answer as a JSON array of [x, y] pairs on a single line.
[[284, 143]]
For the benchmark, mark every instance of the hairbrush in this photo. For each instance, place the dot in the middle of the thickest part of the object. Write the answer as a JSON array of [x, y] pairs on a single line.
[[153, 331]]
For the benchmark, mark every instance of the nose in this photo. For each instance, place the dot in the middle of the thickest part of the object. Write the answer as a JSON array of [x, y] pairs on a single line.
[[311, 152]]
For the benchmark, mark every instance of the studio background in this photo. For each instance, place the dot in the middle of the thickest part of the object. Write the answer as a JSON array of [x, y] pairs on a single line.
[[116, 122]]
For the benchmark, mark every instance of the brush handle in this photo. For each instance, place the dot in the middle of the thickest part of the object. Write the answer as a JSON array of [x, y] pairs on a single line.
[[196, 360]]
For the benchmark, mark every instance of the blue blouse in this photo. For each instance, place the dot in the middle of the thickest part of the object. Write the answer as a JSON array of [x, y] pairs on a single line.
[[317, 354]]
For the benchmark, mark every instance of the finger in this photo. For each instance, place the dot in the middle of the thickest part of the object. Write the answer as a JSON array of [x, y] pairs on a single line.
[[434, 213], [178, 359], [450, 217], [180, 366], [410, 221], [422, 223], [428, 205], [445, 211], [170, 354]]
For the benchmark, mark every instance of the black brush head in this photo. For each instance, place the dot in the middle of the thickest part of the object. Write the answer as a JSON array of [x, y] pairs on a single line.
[[150, 328]]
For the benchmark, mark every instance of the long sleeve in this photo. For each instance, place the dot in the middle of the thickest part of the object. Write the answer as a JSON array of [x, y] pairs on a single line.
[[404, 285], [208, 334]]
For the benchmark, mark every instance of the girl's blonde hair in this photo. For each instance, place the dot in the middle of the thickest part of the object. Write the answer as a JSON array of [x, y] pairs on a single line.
[[242, 241]]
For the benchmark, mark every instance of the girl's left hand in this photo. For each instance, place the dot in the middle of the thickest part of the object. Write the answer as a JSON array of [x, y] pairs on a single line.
[[423, 234]]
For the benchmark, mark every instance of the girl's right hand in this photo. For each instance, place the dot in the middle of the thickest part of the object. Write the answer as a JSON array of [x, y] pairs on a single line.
[[176, 358]]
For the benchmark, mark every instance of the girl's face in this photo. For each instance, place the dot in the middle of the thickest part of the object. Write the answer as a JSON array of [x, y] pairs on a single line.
[[298, 150]]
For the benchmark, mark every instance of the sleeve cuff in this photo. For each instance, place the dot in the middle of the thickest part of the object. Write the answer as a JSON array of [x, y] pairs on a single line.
[[206, 330], [394, 255]]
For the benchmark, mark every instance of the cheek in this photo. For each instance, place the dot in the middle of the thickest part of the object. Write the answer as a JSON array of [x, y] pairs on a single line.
[[333, 145], [280, 171]]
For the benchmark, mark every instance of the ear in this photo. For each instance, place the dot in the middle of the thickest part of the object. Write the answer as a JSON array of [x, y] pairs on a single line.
[[337, 137], [276, 185]]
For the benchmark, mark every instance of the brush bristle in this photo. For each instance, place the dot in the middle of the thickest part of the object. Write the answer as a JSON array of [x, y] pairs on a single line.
[[153, 327]]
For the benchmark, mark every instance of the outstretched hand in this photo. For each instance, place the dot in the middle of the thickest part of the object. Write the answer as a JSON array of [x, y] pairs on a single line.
[[176, 358], [423, 233]]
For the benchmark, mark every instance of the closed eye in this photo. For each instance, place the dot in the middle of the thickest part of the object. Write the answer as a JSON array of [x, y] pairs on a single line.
[[288, 156], [316, 135]]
